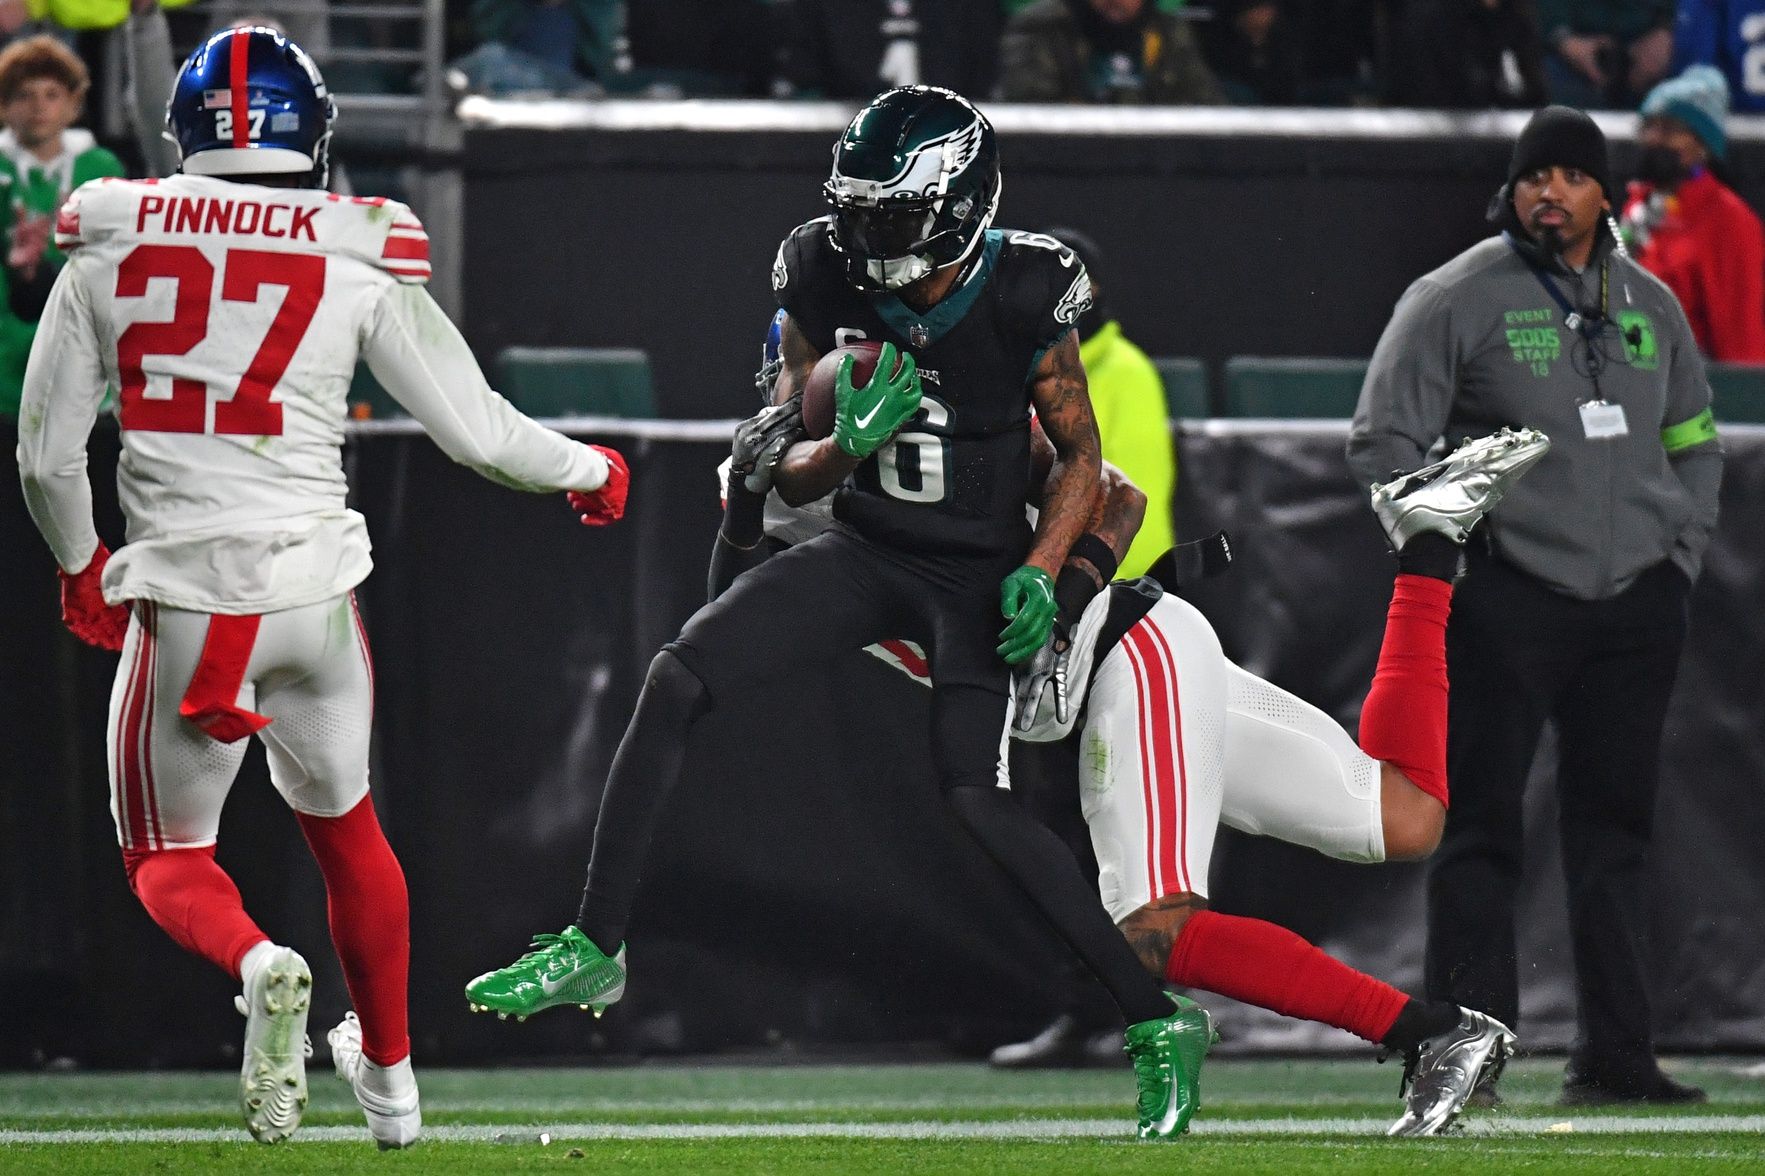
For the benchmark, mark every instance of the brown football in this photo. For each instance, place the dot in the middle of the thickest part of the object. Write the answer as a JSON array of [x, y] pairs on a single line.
[[818, 396]]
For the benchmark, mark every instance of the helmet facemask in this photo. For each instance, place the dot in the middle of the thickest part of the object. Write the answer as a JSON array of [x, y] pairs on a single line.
[[902, 210]]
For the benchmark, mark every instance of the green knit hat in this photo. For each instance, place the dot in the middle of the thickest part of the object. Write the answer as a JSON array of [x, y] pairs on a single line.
[[1699, 99]]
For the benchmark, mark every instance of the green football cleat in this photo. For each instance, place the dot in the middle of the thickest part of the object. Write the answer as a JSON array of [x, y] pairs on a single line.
[[561, 969], [1167, 1056]]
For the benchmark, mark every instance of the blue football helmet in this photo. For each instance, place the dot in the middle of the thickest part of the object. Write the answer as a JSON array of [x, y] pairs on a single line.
[[251, 102], [771, 358]]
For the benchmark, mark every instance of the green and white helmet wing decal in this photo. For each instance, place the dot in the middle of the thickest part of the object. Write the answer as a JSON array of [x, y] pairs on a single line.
[[915, 183]]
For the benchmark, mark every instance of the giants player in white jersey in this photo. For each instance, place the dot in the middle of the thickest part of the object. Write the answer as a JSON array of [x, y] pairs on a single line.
[[228, 305], [1176, 740]]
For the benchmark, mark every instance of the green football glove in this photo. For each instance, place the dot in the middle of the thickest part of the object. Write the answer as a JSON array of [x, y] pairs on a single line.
[[866, 417], [1027, 600]]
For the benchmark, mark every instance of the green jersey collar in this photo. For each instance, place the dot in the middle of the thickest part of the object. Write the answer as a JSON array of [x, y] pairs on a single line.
[[922, 330]]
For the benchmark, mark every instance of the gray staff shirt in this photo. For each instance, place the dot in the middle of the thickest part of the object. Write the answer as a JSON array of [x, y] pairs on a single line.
[[1479, 344]]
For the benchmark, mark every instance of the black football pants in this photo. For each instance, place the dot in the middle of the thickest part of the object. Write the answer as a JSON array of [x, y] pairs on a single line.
[[802, 608], [1517, 654]]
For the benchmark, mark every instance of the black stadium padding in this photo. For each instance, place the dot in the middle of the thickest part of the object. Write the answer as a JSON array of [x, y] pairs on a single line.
[[807, 890]]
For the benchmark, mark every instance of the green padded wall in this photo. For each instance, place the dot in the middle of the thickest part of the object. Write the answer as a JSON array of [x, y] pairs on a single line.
[[1185, 387], [1258, 386], [1739, 392], [577, 381]]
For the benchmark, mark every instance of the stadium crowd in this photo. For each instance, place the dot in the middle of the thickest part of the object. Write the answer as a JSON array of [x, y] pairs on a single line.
[[1458, 54]]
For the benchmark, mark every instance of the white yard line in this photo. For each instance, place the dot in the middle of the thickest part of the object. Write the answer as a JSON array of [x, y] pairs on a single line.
[[999, 1129]]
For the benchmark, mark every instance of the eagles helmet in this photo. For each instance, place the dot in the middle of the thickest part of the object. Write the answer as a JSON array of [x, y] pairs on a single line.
[[915, 184], [251, 102]]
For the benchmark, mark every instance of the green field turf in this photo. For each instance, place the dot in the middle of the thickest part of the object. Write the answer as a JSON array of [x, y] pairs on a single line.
[[1258, 1116]]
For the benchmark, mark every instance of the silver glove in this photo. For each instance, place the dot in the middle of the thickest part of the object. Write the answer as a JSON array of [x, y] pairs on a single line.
[[1050, 665], [760, 441]]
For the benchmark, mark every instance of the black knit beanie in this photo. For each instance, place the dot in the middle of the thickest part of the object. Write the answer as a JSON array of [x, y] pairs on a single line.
[[1561, 136]]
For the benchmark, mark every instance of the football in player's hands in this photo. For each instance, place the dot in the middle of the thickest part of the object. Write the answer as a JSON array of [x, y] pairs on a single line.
[[818, 392], [597, 508]]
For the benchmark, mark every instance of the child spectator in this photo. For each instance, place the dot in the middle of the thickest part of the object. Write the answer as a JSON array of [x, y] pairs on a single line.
[[43, 157]]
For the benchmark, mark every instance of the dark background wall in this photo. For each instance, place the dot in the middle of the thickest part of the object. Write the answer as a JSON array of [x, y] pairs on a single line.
[[1216, 245], [806, 890]]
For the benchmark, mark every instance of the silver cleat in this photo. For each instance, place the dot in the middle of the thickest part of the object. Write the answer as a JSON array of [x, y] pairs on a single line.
[[1447, 1068], [1450, 497]]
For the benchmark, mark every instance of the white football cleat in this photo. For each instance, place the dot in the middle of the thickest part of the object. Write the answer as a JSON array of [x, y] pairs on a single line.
[[272, 1070], [1450, 497], [387, 1094]]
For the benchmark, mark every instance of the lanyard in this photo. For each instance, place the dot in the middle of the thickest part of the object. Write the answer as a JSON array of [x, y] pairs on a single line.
[[1572, 318], [1589, 329]]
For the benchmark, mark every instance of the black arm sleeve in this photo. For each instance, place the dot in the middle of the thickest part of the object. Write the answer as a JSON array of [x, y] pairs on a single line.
[[738, 545]]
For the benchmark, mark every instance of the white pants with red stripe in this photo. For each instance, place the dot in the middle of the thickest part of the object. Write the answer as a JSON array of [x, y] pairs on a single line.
[[1177, 739], [305, 669]]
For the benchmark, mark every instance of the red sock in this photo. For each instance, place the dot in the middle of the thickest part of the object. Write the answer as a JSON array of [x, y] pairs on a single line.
[[1403, 721], [370, 924], [194, 902], [1272, 968]]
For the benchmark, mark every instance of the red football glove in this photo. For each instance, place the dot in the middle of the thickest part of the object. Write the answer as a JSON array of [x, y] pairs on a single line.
[[597, 508], [83, 610]]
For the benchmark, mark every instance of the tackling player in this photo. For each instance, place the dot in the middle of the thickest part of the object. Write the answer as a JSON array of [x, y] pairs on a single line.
[[1176, 740], [229, 305], [932, 455]]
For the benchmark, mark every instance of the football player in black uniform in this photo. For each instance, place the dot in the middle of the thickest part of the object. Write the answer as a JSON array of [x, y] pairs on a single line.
[[932, 460]]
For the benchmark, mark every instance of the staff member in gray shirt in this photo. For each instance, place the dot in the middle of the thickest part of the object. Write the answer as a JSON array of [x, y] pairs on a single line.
[[1574, 603]]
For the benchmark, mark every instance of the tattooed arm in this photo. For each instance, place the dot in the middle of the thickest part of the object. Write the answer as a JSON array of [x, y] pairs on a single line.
[[809, 469], [1120, 509], [1070, 493]]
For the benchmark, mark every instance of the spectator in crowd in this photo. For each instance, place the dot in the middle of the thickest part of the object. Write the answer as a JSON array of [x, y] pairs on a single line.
[[1467, 55], [1687, 227], [1573, 606], [43, 157], [1253, 51], [1723, 33], [1605, 54], [1340, 50], [558, 45], [703, 47], [1104, 51], [856, 48]]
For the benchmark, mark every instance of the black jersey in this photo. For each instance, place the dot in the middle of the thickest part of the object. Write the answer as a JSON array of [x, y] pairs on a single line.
[[953, 480]]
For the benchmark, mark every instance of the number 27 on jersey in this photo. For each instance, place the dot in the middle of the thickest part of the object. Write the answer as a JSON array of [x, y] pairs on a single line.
[[245, 272]]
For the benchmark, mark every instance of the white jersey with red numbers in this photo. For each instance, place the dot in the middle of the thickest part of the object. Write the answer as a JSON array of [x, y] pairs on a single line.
[[229, 318]]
